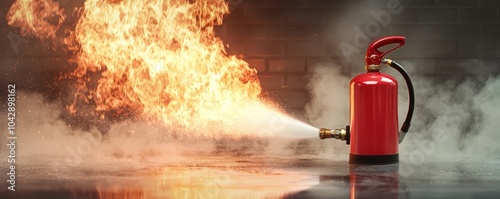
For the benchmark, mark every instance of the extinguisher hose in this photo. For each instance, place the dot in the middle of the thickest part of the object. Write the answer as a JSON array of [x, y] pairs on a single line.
[[411, 93]]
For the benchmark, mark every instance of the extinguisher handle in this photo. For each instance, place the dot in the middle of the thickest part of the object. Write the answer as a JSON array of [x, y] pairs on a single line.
[[374, 55]]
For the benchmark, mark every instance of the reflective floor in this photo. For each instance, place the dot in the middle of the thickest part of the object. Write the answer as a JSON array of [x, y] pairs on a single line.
[[253, 176], [436, 179]]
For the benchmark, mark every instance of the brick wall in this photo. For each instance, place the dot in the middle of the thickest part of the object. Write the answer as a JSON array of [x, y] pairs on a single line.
[[284, 39]]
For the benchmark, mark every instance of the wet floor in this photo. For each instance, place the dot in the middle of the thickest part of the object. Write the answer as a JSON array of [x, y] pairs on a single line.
[[434, 179], [253, 176]]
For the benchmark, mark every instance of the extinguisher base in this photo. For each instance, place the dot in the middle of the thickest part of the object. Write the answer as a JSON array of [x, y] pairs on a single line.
[[373, 159]]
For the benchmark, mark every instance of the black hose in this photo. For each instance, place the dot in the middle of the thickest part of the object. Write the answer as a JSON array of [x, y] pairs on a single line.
[[411, 95]]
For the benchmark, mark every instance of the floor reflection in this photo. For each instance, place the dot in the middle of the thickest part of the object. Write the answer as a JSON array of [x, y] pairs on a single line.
[[200, 177], [361, 181], [377, 181], [212, 183], [255, 177]]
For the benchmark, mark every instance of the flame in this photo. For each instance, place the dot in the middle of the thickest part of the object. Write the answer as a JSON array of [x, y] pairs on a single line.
[[41, 18], [161, 59]]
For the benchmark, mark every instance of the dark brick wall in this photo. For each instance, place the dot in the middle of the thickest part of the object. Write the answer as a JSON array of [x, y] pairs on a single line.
[[284, 39]]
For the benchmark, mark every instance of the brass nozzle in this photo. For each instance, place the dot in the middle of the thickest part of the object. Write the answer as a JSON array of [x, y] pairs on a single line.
[[339, 134], [325, 133]]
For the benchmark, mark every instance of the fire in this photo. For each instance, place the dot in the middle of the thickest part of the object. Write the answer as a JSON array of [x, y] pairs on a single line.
[[161, 59], [158, 60], [41, 18]]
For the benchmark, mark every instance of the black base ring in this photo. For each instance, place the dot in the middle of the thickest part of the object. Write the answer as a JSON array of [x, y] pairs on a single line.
[[373, 159]]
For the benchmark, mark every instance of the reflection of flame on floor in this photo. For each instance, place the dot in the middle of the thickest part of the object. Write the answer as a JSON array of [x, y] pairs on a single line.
[[177, 182], [116, 192]]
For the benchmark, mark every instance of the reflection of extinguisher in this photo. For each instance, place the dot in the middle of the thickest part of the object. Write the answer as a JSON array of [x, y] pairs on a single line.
[[365, 181], [376, 181], [373, 132]]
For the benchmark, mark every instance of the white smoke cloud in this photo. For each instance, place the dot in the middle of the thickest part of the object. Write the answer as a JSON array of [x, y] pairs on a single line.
[[329, 104], [63, 157], [485, 142], [46, 141]]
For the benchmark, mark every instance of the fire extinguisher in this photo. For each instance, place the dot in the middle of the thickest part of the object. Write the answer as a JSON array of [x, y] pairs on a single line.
[[373, 131]]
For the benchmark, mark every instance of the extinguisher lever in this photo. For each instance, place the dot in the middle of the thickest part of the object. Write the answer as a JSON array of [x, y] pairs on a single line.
[[374, 55]]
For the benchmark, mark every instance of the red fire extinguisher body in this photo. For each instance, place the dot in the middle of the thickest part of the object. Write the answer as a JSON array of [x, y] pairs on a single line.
[[373, 118], [373, 133]]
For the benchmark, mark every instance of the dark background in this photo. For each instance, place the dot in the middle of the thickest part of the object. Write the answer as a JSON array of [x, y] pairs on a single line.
[[285, 39]]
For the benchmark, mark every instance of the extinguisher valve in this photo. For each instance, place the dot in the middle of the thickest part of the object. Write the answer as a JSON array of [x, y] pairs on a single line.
[[339, 134], [387, 61]]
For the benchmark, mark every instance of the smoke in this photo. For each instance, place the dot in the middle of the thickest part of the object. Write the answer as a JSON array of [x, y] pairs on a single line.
[[67, 157], [43, 133], [47, 140], [329, 100], [454, 118], [329, 104], [457, 117]]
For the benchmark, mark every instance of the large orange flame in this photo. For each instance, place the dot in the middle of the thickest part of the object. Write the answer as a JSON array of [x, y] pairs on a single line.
[[162, 59], [40, 18]]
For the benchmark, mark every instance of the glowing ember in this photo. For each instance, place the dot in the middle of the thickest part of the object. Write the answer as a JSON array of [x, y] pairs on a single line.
[[41, 18], [161, 59]]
